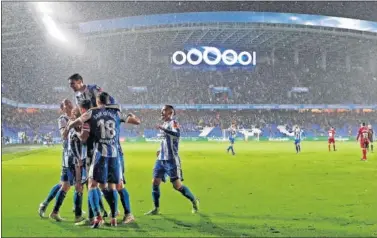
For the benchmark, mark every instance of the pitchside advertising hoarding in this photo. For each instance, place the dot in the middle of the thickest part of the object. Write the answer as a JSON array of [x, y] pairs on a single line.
[[213, 58]]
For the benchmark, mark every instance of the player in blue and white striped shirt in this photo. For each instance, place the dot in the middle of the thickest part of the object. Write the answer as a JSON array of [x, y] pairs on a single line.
[[105, 169], [65, 108], [297, 132], [90, 92], [168, 162], [232, 136], [71, 157]]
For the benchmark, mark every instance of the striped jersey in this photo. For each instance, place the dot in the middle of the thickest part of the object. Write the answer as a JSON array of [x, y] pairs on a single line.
[[62, 123], [232, 132], [170, 141], [297, 134], [104, 125], [90, 92], [74, 148]]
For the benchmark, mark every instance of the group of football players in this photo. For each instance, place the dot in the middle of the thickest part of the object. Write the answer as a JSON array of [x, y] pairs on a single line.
[[365, 137], [93, 157]]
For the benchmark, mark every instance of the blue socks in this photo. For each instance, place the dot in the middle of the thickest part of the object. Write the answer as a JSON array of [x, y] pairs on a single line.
[[77, 197], [90, 209], [101, 206], [59, 200], [52, 194], [230, 148], [156, 195], [94, 201], [187, 193], [106, 194], [113, 197], [125, 200]]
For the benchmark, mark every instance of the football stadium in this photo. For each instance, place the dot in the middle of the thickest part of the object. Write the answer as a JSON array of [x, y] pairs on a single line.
[[171, 119]]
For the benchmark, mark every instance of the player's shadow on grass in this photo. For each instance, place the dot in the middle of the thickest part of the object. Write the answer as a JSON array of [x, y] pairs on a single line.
[[134, 226], [70, 227], [206, 226], [336, 220]]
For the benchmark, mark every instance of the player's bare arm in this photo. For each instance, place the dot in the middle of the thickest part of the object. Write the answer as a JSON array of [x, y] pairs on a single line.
[[84, 134], [132, 119], [83, 118]]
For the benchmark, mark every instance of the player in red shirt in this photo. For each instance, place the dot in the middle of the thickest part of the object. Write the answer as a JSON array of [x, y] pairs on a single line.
[[363, 135], [332, 133]]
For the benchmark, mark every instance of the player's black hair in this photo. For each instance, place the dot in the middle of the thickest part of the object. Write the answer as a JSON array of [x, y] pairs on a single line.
[[76, 77], [104, 98], [86, 104], [363, 124], [171, 107]]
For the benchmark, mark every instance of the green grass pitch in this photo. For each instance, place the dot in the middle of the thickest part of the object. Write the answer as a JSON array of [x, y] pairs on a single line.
[[265, 190]]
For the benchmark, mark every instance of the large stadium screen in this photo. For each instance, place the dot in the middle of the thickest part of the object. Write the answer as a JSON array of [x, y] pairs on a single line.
[[211, 58]]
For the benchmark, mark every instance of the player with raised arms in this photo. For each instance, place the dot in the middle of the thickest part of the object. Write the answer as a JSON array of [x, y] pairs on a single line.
[[87, 92], [363, 138], [168, 162], [105, 169], [331, 139]]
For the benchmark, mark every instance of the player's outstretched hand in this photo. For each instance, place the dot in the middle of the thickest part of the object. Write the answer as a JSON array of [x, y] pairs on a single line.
[[159, 127], [157, 153]]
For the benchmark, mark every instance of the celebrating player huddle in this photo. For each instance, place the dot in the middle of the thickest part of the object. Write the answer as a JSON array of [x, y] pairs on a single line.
[[91, 146]]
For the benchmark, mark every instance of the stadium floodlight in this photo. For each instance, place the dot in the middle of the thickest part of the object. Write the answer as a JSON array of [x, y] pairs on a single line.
[[53, 29]]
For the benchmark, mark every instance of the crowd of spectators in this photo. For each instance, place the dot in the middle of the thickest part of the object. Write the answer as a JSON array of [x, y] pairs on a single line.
[[266, 83], [195, 120]]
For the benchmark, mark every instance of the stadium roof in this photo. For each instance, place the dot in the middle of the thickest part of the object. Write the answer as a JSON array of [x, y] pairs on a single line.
[[245, 30], [227, 17], [263, 31]]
